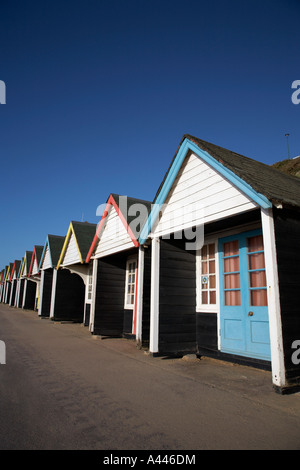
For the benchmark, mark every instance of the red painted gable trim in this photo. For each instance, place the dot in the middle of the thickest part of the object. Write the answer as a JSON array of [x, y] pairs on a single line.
[[110, 202], [31, 263], [12, 271]]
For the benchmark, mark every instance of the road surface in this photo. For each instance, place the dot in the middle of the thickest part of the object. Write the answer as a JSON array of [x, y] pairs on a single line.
[[61, 388]]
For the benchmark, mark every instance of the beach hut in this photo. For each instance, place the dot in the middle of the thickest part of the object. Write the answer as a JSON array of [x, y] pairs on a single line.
[[34, 273], [224, 231], [26, 289], [1, 283], [120, 286], [70, 277], [7, 284], [14, 280], [51, 252]]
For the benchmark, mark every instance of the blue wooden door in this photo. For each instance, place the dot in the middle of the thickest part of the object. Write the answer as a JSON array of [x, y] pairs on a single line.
[[243, 296]]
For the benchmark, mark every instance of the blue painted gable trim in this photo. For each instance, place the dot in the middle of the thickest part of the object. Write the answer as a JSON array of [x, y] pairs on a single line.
[[187, 145], [42, 257]]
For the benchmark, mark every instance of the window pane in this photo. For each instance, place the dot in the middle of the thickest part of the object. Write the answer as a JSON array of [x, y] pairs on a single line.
[[258, 279], [256, 261], [212, 297], [204, 252], [212, 267], [204, 267], [232, 298], [211, 250], [231, 265], [259, 298], [232, 281], [204, 282], [255, 243], [204, 297], [231, 248], [212, 282]]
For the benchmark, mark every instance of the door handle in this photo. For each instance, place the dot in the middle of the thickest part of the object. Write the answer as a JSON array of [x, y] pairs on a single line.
[[250, 314]]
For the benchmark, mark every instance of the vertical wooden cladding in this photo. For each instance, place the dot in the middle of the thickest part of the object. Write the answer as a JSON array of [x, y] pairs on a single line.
[[207, 333], [30, 291], [111, 317], [177, 298], [287, 234], [20, 293], [69, 296], [47, 290], [146, 296], [109, 299]]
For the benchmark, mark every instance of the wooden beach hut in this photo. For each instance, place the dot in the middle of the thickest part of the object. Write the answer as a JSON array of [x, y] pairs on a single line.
[[51, 253], [7, 284], [26, 289], [120, 286], [224, 231], [14, 281], [34, 273], [71, 274], [2, 274]]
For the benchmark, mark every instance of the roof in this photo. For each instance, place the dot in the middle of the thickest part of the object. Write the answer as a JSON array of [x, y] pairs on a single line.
[[16, 267], [275, 185], [36, 254], [55, 244], [26, 263], [84, 233], [262, 183], [122, 205]]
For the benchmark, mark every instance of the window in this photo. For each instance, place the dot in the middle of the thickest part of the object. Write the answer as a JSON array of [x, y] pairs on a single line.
[[90, 283], [232, 284], [130, 286], [257, 272], [207, 277]]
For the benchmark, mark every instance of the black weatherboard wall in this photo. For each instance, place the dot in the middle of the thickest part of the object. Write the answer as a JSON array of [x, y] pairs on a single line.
[[69, 296], [287, 234], [29, 301], [109, 301], [177, 298], [146, 296], [47, 290]]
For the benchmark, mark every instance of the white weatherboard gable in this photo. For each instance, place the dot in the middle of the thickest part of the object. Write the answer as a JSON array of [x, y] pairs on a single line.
[[71, 255], [46, 260], [199, 195], [113, 236], [35, 268]]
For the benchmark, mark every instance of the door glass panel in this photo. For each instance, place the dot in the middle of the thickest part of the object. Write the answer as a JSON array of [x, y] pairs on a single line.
[[258, 279], [259, 298], [257, 273], [231, 262], [233, 297]]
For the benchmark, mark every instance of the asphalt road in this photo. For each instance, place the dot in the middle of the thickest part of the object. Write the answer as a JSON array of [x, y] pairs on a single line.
[[63, 389]]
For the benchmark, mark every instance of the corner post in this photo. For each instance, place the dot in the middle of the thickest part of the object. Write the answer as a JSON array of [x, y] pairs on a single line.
[[154, 298], [277, 356]]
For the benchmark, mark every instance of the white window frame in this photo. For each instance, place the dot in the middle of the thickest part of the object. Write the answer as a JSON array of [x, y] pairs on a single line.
[[200, 307], [89, 287], [130, 260]]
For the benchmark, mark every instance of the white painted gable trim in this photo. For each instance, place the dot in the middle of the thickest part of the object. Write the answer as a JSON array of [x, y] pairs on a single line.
[[113, 236]]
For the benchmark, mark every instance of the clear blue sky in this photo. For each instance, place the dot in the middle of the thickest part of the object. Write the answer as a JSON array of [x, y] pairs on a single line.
[[100, 93]]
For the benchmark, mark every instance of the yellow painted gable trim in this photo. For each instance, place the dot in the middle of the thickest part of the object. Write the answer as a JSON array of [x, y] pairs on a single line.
[[22, 267], [63, 251], [7, 273]]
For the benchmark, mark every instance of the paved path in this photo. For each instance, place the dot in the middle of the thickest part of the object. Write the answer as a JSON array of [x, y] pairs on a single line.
[[63, 389]]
